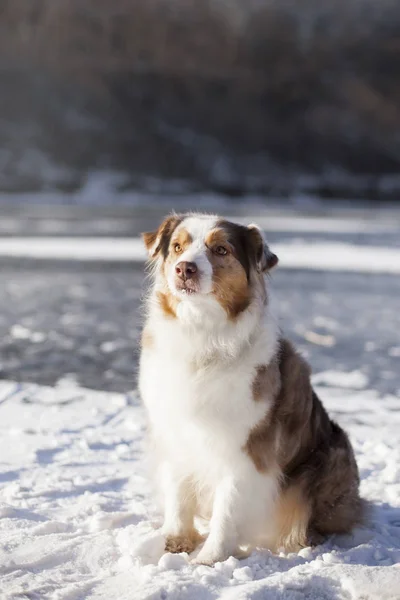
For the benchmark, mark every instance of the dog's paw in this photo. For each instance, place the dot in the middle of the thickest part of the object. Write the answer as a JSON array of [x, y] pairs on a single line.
[[182, 543], [210, 556], [207, 559], [179, 543]]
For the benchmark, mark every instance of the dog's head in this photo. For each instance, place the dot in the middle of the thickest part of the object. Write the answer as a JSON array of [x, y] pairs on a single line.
[[199, 256]]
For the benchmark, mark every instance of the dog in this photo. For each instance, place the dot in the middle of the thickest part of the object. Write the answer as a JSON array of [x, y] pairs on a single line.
[[240, 437]]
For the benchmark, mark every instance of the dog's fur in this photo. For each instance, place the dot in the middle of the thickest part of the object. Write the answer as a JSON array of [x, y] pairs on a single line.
[[239, 434]]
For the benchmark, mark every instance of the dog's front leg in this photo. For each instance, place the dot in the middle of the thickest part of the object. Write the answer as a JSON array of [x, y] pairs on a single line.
[[178, 529], [242, 512], [222, 540]]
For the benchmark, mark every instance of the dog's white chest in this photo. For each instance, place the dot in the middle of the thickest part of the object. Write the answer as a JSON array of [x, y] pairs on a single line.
[[211, 406]]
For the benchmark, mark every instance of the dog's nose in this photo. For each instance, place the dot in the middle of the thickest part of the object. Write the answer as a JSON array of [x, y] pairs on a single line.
[[186, 270]]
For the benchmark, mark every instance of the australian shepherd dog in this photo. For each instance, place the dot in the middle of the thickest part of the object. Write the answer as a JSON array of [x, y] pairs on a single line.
[[240, 438]]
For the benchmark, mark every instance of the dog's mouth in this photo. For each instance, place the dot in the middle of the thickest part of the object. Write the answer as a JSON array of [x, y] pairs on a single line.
[[186, 288]]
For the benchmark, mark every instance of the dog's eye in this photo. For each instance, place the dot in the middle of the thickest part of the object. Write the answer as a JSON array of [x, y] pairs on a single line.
[[177, 248], [221, 250]]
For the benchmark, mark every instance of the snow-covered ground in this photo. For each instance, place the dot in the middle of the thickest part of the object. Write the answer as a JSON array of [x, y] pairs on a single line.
[[77, 519], [76, 513]]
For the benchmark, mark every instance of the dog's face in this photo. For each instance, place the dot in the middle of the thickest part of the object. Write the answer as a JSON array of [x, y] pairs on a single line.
[[201, 256]]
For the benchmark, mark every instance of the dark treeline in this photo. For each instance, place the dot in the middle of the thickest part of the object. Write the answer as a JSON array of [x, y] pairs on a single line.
[[225, 94]]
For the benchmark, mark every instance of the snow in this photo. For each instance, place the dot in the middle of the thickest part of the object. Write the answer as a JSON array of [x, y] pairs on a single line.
[[77, 518], [333, 256], [71, 248], [338, 257], [352, 380]]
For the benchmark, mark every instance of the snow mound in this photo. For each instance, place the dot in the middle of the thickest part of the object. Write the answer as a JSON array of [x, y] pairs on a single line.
[[352, 380], [76, 518]]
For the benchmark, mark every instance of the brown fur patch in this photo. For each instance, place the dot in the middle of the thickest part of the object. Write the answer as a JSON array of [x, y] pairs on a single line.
[[183, 543], [216, 237], [158, 241], [337, 506], [292, 519], [230, 282], [237, 236], [250, 248], [260, 445], [313, 453], [267, 381], [230, 287], [149, 239], [260, 252], [183, 238], [168, 304]]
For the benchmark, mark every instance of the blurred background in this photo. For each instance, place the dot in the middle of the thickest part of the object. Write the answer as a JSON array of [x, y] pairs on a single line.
[[257, 96], [114, 112]]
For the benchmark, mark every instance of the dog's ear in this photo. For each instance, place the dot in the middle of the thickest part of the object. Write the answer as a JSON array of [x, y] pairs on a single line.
[[150, 239], [265, 260], [157, 242]]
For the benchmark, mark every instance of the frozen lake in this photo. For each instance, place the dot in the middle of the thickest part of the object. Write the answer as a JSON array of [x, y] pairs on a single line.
[[337, 290]]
